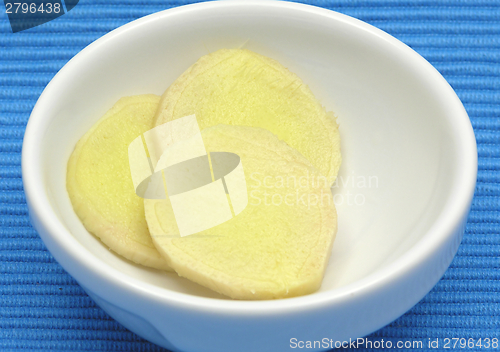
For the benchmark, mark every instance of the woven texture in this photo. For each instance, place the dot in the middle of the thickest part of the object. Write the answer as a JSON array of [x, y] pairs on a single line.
[[43, 308]]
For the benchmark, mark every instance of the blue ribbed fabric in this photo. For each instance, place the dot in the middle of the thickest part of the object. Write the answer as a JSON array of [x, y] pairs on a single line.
[[43, 309]]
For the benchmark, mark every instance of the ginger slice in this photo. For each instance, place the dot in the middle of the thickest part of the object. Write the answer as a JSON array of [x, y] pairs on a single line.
[[278, 246], [240, 87], [100, 186]]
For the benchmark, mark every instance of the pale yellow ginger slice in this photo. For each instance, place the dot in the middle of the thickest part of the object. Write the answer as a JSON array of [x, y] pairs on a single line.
[[240, 87], [278, 246], [100, 186]]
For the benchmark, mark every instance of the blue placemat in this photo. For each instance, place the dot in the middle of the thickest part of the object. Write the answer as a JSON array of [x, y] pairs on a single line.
[[43, 308]]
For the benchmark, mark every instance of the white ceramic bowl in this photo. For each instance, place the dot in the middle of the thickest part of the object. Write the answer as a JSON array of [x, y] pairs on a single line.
[[403, 194]]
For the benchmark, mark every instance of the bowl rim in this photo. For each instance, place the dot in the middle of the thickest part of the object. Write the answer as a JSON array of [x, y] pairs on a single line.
[[67, 248]]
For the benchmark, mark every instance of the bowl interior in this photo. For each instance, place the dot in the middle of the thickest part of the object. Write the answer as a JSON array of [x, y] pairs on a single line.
[[397, 145]]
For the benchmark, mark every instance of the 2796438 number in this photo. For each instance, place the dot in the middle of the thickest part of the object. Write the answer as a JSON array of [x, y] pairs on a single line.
[[24, 7], [470, 343]]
